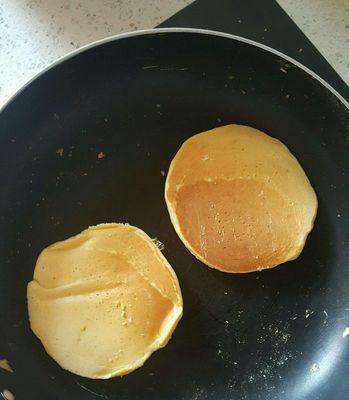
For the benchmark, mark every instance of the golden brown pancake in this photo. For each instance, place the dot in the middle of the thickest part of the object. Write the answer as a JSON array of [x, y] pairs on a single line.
[[103, 301], [239, 200]]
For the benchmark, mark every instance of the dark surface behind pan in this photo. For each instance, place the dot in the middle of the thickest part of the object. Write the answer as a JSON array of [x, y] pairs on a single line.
[[270, 335]]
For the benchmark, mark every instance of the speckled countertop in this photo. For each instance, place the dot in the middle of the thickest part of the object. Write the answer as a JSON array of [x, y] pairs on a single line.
[[36, 32]]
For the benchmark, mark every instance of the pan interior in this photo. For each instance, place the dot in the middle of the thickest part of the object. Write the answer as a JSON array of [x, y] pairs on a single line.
[[90, 142]]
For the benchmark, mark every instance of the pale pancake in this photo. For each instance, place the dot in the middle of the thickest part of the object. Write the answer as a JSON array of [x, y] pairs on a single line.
[[239, 200], [103, 301]]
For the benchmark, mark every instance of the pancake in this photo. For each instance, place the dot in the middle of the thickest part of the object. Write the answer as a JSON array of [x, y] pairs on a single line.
[[103, 301], [239, 200]]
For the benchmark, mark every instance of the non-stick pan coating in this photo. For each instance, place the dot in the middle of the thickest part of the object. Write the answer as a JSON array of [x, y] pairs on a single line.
[[89, 141]]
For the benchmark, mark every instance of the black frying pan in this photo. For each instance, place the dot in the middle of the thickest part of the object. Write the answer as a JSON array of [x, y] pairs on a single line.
[[277, 334]]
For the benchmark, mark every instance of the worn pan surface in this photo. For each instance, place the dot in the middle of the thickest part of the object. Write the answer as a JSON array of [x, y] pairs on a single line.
[[133, 100]]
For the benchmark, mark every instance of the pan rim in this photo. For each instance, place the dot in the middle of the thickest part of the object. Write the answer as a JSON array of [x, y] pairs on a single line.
[[153, 31]]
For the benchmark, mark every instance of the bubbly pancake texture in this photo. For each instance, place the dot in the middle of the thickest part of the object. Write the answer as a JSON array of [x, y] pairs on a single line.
[[239, 200]]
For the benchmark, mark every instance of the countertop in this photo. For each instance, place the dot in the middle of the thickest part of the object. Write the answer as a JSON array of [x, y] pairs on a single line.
[[35, 33]]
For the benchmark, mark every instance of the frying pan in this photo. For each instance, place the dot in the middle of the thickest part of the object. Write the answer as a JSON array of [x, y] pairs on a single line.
[[133, 99]]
